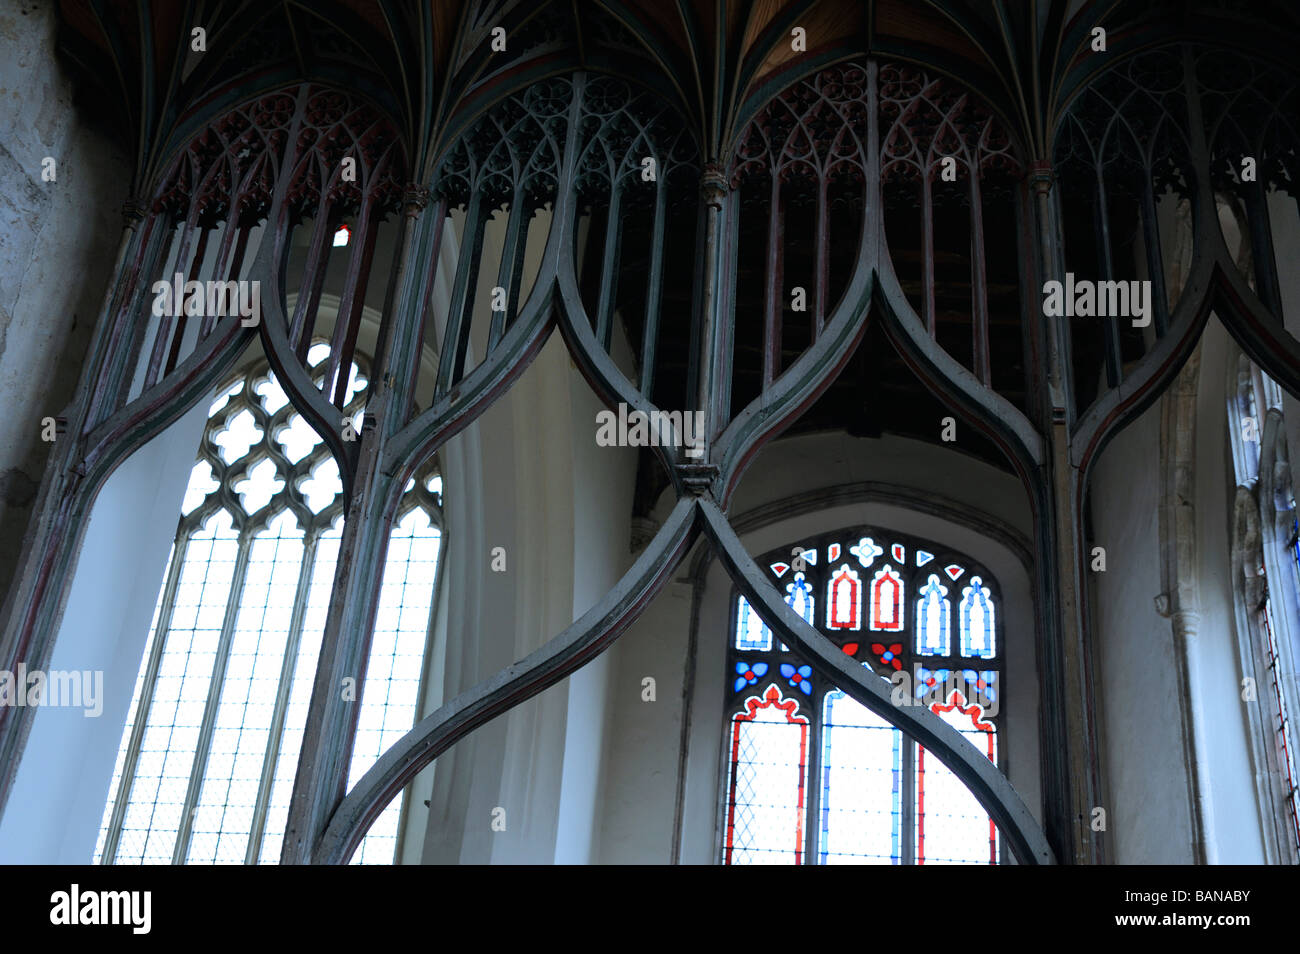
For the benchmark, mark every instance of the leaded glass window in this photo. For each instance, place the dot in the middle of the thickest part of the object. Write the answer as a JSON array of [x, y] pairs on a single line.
[[1269, 585], [208, 755], [814, 777]]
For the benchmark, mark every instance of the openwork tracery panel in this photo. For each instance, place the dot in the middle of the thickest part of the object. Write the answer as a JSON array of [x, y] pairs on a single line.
[[948, 165], [325, 157], [510, 159], [1123, 151], [800, 164]]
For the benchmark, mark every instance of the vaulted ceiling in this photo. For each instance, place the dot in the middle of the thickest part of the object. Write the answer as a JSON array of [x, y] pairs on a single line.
[[432, 63]]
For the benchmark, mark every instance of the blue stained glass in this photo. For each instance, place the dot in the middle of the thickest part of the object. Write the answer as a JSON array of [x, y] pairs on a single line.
[[933, 611], [977, 631], [799, 595], [862, 765], [751, 634], [922, 557], [800, 678], [981, 683], [866, 551], [932, 680], [749, 673]]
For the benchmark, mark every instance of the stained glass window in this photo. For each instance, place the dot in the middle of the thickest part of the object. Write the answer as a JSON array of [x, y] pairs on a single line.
[[951, 827], [932, 612], [767, 777], [887, 600], [977, 637], [875, 796], [750, 631], [210, 748], [1267, 586], [844, 600], [861, 778]]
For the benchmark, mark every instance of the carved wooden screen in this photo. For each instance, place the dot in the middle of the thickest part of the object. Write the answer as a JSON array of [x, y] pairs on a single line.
[[908, 211]]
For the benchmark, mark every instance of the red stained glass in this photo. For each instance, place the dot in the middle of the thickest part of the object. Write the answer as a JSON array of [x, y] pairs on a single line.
[[844, 600], [887, 600], [767, 781]]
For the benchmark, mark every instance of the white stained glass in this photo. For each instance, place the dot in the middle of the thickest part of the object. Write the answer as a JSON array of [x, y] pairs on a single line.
[[951, 826], [767, 774], [799, 597], [224, 397], [977, 621], [297, 438], [861, 810], [125, 744], [390, 695], [238, 436], [272, 395], [323, 486], [232, 775], [751, 634], [249, 751], [154, 807], [261, 484], [932, 614], [304, 674], [202, 482]]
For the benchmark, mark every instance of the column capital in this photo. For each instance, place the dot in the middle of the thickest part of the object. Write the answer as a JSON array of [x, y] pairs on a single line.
[[415, 199], [134, 210], [713, 184], [1041, 176]]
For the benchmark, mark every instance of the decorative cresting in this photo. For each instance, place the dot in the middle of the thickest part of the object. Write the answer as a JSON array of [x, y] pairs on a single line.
[[511, 157], [633, 146], [601, 151], [277, 160], [809, 147], [258, 169], [1171, 125]]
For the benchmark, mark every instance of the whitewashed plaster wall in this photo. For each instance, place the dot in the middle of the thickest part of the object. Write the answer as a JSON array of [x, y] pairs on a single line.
[[1166, 748], [54, 812]]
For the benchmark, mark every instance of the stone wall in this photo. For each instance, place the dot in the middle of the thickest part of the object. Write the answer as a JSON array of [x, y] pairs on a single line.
[[58, 240]]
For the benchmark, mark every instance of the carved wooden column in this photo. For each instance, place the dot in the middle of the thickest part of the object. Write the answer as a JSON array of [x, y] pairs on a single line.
[[1071, 781], [326, 753]]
